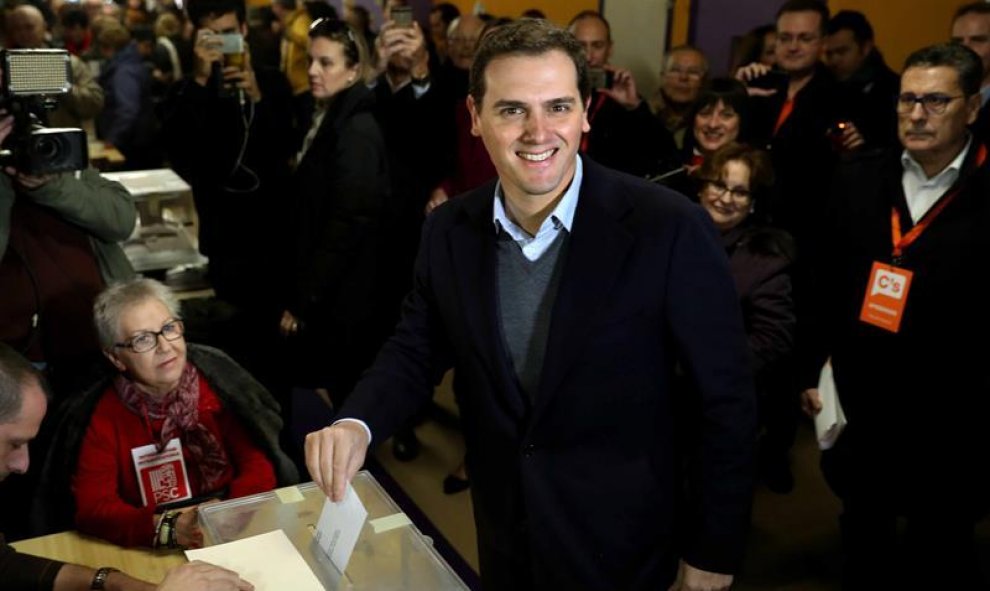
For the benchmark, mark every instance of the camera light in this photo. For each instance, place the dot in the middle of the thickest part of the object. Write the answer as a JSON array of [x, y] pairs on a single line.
[[28, 72]]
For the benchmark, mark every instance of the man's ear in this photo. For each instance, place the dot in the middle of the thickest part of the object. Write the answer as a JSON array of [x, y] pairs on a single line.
[[475, 110], [114, 360], [585, 124], [973, 104]]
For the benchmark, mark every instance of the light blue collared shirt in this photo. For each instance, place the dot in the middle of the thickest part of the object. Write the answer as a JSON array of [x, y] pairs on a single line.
[[984, 95], [562, 217]]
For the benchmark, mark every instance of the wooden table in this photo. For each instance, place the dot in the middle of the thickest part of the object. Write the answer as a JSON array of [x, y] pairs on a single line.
[[70, 546]]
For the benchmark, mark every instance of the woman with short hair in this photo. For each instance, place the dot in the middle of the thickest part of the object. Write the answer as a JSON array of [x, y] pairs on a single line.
[[177, 424]]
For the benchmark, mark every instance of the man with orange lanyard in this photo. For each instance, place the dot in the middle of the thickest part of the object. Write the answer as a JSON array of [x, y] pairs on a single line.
[[802, 116], [897, 312], [624, 133]]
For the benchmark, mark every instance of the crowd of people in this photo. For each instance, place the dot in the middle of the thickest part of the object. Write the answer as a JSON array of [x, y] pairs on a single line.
[[636, 292]]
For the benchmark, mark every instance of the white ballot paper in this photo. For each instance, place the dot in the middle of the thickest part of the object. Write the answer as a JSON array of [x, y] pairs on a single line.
[[268, 561], [830, 422], [339, 526]]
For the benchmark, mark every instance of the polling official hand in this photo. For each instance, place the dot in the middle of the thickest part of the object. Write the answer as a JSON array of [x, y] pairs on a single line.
[[201, 576], [690, 578], [187, 532], [334, 455]]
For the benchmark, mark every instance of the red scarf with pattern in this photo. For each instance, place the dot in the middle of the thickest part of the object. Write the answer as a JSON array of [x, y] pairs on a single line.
[[180, 411]]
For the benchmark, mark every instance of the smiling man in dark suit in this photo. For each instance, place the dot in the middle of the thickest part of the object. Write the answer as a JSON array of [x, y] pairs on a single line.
[[564, 295]]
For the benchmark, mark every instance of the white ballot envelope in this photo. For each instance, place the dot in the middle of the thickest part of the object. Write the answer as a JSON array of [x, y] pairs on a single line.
[[339, 526], [830, 422], [268, 561]]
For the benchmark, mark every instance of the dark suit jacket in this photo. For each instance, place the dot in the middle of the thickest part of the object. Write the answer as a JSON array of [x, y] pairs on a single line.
[[578, 490], [917, 401], [802, 154]]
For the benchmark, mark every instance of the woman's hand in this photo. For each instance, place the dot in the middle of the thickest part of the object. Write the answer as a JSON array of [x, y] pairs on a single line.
[[187, 532]]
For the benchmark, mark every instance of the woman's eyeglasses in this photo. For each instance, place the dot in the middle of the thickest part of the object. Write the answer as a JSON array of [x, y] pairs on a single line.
[[147, 340], [720, 188]]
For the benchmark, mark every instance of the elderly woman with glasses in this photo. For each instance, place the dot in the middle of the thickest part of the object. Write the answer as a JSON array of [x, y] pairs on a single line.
[[175, 425], [335, 311], [733, 178]]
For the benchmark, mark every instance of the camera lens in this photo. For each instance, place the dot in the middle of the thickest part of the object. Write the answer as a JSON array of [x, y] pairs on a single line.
[[47, 148]]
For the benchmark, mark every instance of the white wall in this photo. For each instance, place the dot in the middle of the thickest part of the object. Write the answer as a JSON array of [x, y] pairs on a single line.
[[639, 29]]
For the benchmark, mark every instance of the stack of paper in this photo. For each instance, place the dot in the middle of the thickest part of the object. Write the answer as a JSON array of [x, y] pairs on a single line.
[[268, 561], [830, 422]]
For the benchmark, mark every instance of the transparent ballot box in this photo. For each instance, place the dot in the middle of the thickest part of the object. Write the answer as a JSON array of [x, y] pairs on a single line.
[[395, 557]]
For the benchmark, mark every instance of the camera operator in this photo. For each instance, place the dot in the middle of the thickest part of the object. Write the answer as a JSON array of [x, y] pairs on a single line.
[[58, 249], [26, 29], [228, 133]]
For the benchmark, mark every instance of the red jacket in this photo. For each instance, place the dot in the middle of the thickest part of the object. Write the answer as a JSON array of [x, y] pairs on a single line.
[[114, 512]]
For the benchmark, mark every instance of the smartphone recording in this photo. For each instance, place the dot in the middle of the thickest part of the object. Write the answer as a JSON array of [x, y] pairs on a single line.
[[402, 16]]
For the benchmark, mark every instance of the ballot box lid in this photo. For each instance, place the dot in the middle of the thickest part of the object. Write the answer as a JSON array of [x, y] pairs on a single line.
[[391, 553]]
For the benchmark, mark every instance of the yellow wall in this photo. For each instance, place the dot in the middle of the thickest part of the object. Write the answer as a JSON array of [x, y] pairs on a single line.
[[558, 12], [682, 19], [901, 26]]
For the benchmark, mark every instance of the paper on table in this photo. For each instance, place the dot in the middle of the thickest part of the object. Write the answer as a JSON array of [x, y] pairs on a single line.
[[339, 526], [830, 422], [268, 561]]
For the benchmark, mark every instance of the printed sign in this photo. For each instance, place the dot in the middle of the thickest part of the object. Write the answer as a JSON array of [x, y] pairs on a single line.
[[162, 476]]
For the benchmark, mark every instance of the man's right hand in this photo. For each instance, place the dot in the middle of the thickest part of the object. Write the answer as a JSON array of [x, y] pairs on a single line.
[[334, 455], [207, 50], [811, 402], [200, 576], [750, 72], [187, 532]]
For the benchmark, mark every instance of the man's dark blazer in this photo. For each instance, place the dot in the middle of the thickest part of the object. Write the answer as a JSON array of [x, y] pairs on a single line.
[[577, 490], [917, 401]]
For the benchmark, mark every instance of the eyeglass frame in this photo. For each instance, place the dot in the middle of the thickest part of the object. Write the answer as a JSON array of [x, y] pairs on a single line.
[[129, 343], [721, 189], [919, 99], [694, 73]]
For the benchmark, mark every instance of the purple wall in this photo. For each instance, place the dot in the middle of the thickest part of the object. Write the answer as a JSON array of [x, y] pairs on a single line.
[[715, 22]]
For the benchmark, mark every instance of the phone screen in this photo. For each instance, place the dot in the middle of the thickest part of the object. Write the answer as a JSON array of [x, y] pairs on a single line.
[[402, 16], [231, 43]]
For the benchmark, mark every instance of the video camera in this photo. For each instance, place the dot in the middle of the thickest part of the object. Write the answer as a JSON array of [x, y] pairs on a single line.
[[32, 80]]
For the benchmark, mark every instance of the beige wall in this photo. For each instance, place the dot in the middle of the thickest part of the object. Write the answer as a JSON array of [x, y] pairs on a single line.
[[638, 28]]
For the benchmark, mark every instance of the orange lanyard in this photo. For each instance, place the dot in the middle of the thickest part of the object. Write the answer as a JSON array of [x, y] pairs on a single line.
[[903, 241], [785, 114]]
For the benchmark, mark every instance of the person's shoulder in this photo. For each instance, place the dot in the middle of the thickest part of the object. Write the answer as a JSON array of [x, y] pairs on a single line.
[[646, 197]]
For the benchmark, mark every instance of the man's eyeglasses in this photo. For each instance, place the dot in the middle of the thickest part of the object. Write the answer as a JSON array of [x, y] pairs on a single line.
[[933, 104], [147, 340], [693, 73], [720, 188]]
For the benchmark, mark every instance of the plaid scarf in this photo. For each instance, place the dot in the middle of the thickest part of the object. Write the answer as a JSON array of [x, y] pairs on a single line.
[[180, 411]]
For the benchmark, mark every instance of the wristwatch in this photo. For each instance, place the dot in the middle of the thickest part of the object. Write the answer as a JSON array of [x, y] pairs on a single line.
[[100, 578]]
